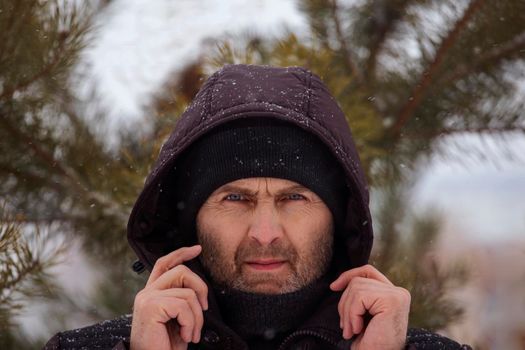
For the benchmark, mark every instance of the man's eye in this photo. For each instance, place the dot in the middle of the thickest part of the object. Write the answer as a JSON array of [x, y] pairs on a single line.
[[295, 196], [234, 197]]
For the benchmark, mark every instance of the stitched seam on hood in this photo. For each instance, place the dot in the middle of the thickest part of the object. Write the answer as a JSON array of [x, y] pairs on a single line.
[[308, 94], [209, 98], [207, 114]]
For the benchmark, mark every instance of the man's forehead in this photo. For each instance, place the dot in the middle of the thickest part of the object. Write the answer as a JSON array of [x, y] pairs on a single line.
[[256, 183]]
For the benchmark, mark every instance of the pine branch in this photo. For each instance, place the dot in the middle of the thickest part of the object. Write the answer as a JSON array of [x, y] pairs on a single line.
[[501, 52], [419, 134], [30, 177], [482, 130], [68, 173], [48, 68], [38, 151], [9, 24], [347, 53], [22, 274], [38, 221], [24, 263], [428, 76], [382, 34]]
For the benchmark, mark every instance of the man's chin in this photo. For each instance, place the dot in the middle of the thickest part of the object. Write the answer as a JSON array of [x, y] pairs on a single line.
[[265, 289], [266, 285]]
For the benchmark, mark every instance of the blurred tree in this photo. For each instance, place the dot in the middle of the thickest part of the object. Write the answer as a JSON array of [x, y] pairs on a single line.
[[406, 73], [25, 260], [54, 170]]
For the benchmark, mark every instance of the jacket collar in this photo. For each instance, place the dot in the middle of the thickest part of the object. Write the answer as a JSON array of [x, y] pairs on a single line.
[[323, 323]]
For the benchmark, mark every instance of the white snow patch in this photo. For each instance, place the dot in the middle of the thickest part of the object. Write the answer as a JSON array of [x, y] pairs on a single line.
[[140, 43]]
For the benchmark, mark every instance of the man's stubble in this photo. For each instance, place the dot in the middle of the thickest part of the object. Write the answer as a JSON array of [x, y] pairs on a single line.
[[303, 268]]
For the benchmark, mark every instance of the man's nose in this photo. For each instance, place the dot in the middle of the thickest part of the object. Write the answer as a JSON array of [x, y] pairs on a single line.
[[265, 226]]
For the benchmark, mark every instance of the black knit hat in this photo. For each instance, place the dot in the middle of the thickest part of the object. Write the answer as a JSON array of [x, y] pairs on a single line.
[[255, 147]]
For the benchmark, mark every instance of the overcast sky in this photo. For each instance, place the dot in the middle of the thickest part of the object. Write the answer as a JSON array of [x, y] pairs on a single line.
[[139, 43]]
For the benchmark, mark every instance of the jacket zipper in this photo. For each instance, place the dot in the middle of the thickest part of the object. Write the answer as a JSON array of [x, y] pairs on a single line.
[[312, 333]]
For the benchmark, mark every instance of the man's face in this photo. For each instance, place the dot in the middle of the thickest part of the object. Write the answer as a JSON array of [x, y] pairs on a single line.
[[265, 235]]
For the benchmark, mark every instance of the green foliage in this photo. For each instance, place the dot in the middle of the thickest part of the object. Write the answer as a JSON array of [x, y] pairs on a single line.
[[25, 260], [403, 82], [404, 252], [37, 43], [38, 40], [56, 173], [399, 106]]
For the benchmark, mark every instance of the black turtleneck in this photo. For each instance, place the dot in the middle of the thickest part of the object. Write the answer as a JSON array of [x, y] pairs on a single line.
[[263, 320]]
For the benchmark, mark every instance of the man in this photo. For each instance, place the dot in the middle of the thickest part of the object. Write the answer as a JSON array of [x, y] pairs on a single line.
[[255, 226]]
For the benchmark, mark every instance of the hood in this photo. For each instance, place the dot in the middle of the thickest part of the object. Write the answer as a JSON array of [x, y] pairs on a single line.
[[291, 94]]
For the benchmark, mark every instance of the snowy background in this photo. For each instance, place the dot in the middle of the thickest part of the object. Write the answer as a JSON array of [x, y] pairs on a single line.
[[140, 43]]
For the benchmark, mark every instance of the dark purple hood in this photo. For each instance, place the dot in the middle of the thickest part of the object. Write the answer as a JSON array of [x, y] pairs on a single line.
[[291, 94]]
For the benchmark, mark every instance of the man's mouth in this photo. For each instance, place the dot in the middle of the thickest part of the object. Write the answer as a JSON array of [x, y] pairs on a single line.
[[266, 264]]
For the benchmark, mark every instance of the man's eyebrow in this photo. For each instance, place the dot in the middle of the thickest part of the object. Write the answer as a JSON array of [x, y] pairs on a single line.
[[293, 188], [237, 189], [243, 190]]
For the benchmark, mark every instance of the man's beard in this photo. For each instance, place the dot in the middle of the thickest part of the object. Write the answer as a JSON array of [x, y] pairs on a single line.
[[303, 270]]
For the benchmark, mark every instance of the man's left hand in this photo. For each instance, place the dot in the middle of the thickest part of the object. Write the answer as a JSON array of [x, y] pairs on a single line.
[[368, 291]]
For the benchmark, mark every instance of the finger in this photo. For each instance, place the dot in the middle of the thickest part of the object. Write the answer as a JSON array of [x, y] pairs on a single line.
[[171, 260], [180, 310], [367, 296], [355, 310], [182, 277], [346, 326], [351, 319], [159, 305], [367, 271], [190, 297], [342, 314]]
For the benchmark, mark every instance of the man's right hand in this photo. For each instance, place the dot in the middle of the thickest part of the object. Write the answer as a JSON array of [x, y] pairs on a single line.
[[167, 313]]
